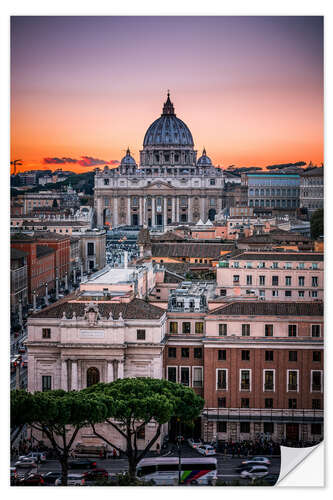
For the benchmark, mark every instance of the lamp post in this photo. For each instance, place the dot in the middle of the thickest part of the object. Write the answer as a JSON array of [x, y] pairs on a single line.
[[46, 294], [57, 285], [34, 300], [179, 446]]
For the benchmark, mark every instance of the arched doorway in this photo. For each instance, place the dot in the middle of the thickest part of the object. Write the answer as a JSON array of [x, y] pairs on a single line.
[[106, 217], [92, 376], [211, 214]]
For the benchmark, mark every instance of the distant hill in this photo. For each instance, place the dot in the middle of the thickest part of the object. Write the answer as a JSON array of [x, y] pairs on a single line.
[[80, 182]]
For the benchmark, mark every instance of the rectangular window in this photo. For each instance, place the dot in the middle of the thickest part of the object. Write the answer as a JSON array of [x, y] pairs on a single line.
[[275, 281], [288, 265], [197, 376], [292, 404], [292, 330], [301, 293], [316, 356], [236, 278], [292, 380], [222, 329], [172, 352], [245, 380], [222, 427], [268, 403], [269, 380], [292, 355], [141, 334], [173, 327], [222, 379], [314, 281], [245, 330], [275, 293], [90, 249], [316, 380], [199, 327], [316, 429], [268, 330], [300, 280], [185, 352], [185, 375], [316, 404], [223, 292], [222, 355], [198, 352], [288, 280], [221, 402], [261, 280], [315, 330], [172, 373], [245, 355], [46, 333], [245, 427], [269, 355], [140, 433], [314, 294], [46, 383], [275, 265], [268, 428], [186, 327], [245, 403], [249, 279], [287, 293]]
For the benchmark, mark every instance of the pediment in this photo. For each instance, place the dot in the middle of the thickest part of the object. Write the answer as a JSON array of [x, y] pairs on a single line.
[[159, 185]]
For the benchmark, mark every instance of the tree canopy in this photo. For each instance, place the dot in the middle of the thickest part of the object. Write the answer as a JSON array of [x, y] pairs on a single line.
[[317, 223]]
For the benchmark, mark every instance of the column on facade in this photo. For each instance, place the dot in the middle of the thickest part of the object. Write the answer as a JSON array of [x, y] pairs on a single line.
[[64, 375], [121, 369], [144, 215], [115, 369], [153, 216], [140, 218], [177, 208], [165, 211], [99, 209], [173, 216], [110, 372], [74, 376], [202, 209], [189, 209], [115, 211], [129, 210]]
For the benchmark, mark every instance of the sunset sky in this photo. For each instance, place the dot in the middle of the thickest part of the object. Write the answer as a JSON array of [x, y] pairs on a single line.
[[84, 88]]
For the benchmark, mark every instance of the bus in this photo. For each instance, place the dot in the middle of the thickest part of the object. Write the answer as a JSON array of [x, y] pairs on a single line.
[[164, 471]]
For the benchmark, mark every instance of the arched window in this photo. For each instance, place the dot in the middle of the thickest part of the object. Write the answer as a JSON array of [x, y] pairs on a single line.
[[92, 376]]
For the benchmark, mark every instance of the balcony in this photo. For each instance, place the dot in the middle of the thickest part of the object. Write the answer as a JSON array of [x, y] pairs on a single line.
[[292, 387], [245, 387], [269, 387], [316, 387]]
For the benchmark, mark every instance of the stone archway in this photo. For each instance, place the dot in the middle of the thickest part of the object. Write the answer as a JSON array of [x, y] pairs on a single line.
[[93, 376]]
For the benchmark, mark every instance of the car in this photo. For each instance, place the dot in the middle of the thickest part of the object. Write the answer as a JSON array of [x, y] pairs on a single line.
[[206, 449], [21, 349], [38, 455], [32, 480], [51, 477], [26, 462], [257, 461], [82, 463], [72, 480], [268, 480], [194, 443], [255, 472], [95, 475]]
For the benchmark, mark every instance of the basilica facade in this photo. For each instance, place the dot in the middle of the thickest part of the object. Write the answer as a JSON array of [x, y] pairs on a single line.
[[171, 185]]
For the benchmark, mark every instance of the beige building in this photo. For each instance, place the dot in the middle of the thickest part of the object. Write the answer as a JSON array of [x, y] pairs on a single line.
[[170, 184]]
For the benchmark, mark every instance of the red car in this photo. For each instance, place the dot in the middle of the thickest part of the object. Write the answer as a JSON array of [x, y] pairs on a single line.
[[32, 480]]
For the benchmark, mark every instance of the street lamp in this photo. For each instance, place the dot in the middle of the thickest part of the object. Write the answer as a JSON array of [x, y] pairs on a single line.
[[179, 446]]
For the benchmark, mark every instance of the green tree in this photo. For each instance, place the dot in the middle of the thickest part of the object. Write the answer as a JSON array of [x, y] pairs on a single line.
[[134, 402], [59, 414], [317, 223]]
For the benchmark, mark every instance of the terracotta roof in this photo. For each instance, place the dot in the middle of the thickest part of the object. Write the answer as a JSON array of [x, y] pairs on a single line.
[[275, 256], [169, 236], [274, 237], [136, 309], [190, 249], [170, 277], [263, 308]]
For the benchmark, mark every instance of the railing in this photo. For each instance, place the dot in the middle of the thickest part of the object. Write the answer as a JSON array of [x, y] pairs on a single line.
[[316, 387], [269, 387], [292, 387]]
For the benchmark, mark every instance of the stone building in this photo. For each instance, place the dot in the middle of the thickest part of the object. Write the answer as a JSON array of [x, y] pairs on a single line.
[[278, 192], [312, 190], [18, 278], [169, 185]]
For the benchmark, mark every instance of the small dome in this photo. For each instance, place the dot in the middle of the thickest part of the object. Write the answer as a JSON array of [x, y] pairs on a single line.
[[128, 159], [168, 130], [204, 160]]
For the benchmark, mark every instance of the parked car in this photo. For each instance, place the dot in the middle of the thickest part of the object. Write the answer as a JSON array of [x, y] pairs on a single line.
[[206, 449], [51, 477], [22, 349], [82, 463], [194, 443], [268, 480], [32, 480], [72, 480], [255, 472], [95, 475], [40, 456], [257, 461], [13, 476], [26, 462]]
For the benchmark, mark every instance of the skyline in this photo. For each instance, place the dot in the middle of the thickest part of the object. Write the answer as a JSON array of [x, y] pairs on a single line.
[[249, 88]]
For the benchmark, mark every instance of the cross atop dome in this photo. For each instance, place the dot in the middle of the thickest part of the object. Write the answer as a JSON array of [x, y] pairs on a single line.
[[168, 108]]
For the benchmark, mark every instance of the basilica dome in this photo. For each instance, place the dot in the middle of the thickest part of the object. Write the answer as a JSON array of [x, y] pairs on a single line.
[[204, 160], [128, 159], [168, 130]]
